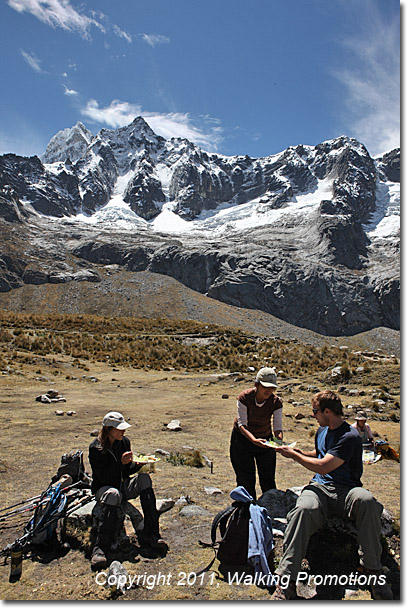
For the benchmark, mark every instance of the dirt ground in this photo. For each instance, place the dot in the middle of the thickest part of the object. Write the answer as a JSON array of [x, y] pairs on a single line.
[[33, 440]]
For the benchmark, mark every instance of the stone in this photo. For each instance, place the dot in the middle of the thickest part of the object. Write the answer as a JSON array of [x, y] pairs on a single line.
[[59, 413], [174, 425], [94, 432], [192, 510], [162, 452], [165, 504], [212, 491]]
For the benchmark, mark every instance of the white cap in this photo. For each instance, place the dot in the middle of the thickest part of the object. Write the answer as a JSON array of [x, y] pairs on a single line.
[[267, 377], [116, 420]]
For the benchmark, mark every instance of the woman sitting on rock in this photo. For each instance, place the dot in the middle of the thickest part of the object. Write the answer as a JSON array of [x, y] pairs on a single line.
[[110, 458]]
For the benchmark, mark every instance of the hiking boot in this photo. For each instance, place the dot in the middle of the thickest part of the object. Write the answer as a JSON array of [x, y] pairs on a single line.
[[282, 593], [381, 590], [98, 559], [157, 543]]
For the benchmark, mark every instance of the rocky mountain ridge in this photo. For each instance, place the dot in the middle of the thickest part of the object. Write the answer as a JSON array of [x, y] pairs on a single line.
[[309, 235]]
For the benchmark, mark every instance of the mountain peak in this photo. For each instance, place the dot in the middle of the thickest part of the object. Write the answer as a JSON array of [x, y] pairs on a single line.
[[68, 144]]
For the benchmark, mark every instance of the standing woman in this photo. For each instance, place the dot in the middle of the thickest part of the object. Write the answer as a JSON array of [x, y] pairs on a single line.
[[257, 407], [110, 458]]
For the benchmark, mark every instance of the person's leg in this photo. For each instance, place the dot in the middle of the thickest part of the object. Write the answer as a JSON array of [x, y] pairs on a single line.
[[110, 499], [304, 520], [141, 485], [362, 508], [266, 464], [243, 462], [366, 511]]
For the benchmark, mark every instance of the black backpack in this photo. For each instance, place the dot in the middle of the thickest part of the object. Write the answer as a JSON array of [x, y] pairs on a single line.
[[233, 524], [72, 463]]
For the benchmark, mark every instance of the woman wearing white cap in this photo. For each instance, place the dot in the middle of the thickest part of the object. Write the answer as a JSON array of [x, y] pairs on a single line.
[[363, 429], [257, 407], [110, 458]]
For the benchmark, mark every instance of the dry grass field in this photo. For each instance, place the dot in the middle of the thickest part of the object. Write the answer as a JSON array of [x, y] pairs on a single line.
[[189, 385]]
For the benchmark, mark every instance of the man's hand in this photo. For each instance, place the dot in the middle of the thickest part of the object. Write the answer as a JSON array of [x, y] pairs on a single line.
[[287, 452], [126, 457]]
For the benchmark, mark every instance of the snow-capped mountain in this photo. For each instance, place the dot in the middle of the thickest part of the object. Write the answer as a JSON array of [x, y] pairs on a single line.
[[302, 234]]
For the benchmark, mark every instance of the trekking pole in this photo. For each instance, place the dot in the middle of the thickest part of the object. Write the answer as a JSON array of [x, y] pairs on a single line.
[[21, 510], [22, 502]]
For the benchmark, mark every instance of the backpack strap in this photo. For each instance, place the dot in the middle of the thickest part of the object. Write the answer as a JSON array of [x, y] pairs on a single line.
[[221, 520]]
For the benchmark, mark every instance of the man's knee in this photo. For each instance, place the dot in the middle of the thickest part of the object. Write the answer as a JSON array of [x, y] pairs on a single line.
[[308, 507], [362, 502]]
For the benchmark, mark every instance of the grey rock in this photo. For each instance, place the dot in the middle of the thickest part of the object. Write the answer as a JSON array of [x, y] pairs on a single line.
[[192, 510]]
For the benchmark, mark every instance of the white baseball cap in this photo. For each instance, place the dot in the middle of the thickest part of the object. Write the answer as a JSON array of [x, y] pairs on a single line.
[[116, 420], [267, 377]]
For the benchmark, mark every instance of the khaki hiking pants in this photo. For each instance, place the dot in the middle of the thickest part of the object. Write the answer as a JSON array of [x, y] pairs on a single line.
[[314, 505]]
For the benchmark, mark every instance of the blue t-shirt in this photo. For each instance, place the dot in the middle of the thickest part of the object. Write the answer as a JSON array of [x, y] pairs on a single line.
[[345, 443]]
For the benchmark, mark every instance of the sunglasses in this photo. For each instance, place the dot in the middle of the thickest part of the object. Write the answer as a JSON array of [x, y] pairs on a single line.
[[314, 411]]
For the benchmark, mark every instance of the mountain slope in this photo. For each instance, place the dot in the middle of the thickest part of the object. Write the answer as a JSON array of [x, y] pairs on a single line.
[[309, 235]]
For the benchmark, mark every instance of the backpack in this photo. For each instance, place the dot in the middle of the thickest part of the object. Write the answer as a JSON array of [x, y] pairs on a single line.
[[72, 463], [50, 509], [233, 525]]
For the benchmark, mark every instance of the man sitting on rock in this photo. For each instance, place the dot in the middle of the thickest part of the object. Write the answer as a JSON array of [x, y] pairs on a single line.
[[335, 490]]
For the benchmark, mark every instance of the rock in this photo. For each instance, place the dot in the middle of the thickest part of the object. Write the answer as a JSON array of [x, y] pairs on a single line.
[[117, 577], [299, 416], [71, 413], [192, 510], [225, 396], [212, 491], [94, 432], [165, 504], [162, 452], [174, 425], [183, 501], [52, 393], [59, 413]]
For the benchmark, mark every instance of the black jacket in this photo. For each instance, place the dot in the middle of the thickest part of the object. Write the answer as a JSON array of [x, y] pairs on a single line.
[[106, 467]]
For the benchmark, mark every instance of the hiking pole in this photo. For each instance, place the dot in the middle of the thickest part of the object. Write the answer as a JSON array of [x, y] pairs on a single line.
[[19, 511], [22, 502]]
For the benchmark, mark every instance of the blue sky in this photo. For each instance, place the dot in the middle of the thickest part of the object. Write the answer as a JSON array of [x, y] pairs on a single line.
[[235, 76]]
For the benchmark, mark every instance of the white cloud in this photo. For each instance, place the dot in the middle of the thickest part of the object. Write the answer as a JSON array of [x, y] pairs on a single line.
[[122, 34], [372, 84], [32, 61], [207, 133], [154, 39], [70, 92], [60, 13], [56, 13]]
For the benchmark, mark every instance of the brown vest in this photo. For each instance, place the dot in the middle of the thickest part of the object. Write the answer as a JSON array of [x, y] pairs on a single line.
[[259, 418]]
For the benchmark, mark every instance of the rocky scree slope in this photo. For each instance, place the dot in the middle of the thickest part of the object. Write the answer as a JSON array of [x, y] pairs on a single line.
[[294, 234]]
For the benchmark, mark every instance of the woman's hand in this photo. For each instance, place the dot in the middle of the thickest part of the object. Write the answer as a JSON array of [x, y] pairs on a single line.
[[126, 457], [261, 442]]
